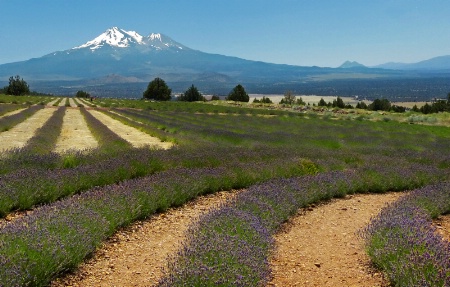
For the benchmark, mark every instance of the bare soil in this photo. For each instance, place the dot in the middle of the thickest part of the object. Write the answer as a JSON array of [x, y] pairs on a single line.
[[130, 134], [443, 226], [320, 247], [136, 255], [75, 133], [18, 135]]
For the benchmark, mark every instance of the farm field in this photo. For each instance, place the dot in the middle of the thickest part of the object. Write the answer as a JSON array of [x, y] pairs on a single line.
[[60, 208]]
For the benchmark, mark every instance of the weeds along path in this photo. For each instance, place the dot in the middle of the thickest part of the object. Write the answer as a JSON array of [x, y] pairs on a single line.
[[136, 255], [75, 133], [130, 134], [18, 135], [320, 247]]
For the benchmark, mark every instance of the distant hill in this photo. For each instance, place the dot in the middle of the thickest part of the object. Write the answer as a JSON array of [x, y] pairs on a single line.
[[120, 62], [351, 64], [441, 63]]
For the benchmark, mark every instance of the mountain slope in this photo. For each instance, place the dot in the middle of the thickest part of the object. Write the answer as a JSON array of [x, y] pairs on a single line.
[[436, 63]]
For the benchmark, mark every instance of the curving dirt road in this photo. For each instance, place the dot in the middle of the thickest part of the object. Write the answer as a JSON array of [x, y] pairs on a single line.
[[320, 247], [134, 256]]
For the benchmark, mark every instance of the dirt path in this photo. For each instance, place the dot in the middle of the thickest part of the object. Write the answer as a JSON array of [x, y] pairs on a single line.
[[320, 247], [130, 134], [134, 256], [18, 135], [443, 226], [75, 133]]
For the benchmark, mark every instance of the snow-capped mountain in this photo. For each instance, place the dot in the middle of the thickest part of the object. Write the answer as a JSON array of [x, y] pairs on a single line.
[[118, 56], [120, 38]]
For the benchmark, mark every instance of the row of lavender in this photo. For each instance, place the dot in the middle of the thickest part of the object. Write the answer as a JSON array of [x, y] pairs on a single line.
[[231, 245], [402, 241], [57, 237]]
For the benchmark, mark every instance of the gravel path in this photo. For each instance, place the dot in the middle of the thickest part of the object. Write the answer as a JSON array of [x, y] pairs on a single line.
[[320, 247], [135, 256], [75, 133], [130, 134], [18, 135]]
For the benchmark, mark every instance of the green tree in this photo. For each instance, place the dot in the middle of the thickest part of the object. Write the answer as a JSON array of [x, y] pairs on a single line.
[[300, 102], [288, 99], [322, 103], [82, 94], [380, 105], [361, 105], [339, 103], [157, 90], [191, 95], [17, 87], [238, 94]]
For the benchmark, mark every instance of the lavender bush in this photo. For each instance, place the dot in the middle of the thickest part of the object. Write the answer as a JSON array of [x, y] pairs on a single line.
[[402, 241], [44, 139], [219, 249]]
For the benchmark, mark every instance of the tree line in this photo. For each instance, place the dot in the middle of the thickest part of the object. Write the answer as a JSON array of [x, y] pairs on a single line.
[[158, 90]]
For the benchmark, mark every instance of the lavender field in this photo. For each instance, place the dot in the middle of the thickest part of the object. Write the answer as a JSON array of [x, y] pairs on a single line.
[[286, 160]]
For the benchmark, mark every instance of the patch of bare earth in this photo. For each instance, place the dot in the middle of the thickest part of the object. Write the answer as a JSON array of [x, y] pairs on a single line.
[[130, 134], [18, 135], [443, 226], [319, 247], [136, 255], [75, 133], [12, 113]]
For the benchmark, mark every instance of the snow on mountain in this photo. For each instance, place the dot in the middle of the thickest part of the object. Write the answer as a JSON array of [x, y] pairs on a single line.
[[114, 37], [120, 38]]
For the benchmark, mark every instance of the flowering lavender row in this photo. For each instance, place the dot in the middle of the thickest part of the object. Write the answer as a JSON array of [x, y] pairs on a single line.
[[402, 241], [44, 139], [9, 121], [56, 237], [9, 108], [231, 245], [106, 138]]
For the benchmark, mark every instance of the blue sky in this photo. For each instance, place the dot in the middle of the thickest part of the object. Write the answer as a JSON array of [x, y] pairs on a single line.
[[298, 32]]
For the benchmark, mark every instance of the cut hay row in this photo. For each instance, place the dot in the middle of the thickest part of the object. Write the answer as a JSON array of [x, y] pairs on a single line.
[[130, 134], [18, 135], [75, 133]]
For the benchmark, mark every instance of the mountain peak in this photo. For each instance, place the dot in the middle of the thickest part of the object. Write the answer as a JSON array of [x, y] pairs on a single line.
[[351, 64], [115, 37], [120, 38]]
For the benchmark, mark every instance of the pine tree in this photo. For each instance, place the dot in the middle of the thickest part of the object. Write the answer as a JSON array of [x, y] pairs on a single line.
[[157, 90]]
